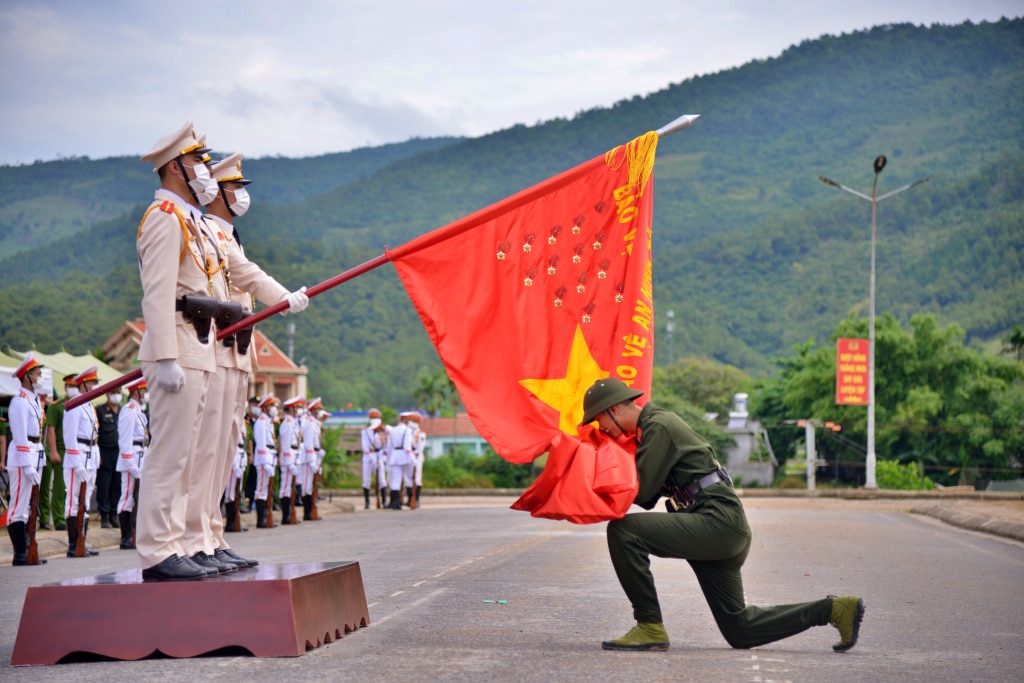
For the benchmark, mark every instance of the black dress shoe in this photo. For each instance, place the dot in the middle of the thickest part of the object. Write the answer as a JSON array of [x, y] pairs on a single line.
[[228, 552], [60, 526], [174, 568], [104, 521], [207, 562], [210, 571], [91, 553], [224, 558]]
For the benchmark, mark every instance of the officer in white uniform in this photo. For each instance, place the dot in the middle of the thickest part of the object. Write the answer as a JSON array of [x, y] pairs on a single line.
[[288, 439], [132, 440], [24, 454], [231, 500], [309, 447], [81, 458], [242, 282], [419, 443], [374, 441], [176, 262], [399, 459], [264, 455]]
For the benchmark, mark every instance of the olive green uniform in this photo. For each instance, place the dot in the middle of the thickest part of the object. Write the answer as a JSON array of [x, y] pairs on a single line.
[[713, 537], [51, 500]]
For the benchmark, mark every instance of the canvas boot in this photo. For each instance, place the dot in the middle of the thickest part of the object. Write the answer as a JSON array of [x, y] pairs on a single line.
[[847, 613], [642, 637], [18, 534]]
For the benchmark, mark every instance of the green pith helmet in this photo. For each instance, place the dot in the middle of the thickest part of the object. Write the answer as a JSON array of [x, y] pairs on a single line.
[[603, 394]]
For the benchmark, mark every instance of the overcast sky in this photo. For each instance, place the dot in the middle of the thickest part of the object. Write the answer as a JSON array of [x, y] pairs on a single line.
[[304, 77]]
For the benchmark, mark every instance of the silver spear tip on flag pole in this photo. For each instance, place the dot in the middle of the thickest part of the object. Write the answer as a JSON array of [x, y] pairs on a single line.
[[682, 123]]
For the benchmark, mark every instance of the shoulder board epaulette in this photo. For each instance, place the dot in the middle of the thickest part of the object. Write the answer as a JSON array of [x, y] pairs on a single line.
[[167, 206]]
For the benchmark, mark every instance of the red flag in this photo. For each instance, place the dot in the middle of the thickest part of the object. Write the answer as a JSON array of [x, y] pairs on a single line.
[[531, 300]]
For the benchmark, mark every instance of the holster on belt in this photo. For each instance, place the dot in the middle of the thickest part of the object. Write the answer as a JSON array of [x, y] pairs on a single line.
[[228, 313], [244, 337], [200, 311]]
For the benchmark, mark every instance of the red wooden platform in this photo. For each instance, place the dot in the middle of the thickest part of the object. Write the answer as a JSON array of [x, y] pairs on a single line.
[[276, 610]]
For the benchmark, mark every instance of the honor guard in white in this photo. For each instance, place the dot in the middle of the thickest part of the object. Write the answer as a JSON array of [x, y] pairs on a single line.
[[264, 457], [288, 439], [309, 459], [24, 454], [81, 459], [374, 441], [399, 459], [243, 282], [177, 266], [419, 443], [132, 439]]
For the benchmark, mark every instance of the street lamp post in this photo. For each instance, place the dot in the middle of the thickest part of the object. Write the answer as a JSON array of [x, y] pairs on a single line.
[[879, 164]]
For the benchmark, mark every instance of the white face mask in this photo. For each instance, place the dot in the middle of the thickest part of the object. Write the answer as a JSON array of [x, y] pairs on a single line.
[[241, 203], [299, 412], [273, 412], [255, 411], [144, 400], [39, 384], [73, 391], [203, 184], [115, 399]]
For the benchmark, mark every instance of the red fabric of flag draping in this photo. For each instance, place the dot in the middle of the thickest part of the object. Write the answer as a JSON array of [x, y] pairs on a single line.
[[531, 300]]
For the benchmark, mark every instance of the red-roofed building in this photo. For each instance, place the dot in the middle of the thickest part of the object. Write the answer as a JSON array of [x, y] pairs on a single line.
[[446, 433], [274, 372]]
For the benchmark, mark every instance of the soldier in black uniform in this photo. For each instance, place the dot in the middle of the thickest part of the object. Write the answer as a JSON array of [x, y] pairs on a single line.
[[706, 526], [108, 481]]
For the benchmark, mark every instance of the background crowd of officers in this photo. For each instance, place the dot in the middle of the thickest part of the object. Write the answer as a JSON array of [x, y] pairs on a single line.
[[281, 442], [393, 454]]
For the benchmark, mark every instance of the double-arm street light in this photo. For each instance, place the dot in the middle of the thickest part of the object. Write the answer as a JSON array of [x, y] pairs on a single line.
[[870, 482]]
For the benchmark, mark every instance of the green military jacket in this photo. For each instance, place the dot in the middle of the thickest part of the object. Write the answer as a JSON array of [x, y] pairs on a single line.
[[670, 452]]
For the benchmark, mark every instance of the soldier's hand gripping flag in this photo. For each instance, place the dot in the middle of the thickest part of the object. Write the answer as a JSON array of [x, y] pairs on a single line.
[[531, 300]]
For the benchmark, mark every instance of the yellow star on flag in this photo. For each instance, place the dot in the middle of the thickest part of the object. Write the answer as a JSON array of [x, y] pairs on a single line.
[[566, 393]]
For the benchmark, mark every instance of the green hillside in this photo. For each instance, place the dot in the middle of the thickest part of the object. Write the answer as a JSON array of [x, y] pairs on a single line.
[[752, 252]]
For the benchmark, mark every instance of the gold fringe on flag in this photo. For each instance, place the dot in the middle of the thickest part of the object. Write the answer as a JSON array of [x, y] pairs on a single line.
[[639, 154]]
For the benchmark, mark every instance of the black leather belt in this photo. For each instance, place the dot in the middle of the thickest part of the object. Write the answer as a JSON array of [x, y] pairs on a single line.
[[34, 439], [85, 442], [706, 481], [138, 443]]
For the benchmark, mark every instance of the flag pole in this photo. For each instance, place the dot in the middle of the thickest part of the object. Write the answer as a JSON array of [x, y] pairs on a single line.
[[681, 123]]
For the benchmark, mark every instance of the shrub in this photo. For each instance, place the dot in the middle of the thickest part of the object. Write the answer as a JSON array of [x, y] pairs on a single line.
[[891, 475]]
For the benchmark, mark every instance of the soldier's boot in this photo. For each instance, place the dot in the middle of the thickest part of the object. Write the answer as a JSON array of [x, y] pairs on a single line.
[[114, 523], [408, 500], [19, 541], [72, 538], [847, 613], [286, 510], [396, 499], [104, 520], [125, 521], [419, 489], [642, 637], [261, 514], [366, 497], [307, 507]]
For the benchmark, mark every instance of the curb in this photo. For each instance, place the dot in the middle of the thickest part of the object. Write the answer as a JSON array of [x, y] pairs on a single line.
[[966, 520]]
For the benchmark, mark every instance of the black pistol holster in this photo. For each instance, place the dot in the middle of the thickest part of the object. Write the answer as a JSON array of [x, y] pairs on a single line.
[[199, 311], [228, 313], [244, 337]]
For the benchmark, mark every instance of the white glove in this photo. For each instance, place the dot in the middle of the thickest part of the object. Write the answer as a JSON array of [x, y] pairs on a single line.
[[169, 375], [135, 472], [297, 300]]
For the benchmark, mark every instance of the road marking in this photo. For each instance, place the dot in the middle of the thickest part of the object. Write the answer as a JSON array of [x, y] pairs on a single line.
[[396, 593], [416, 603]]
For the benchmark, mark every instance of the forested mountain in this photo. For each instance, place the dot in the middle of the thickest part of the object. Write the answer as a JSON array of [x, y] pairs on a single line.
[[752, 252]]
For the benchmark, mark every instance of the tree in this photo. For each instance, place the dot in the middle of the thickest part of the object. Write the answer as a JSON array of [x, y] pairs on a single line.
[[957, 412], [1014, 343]]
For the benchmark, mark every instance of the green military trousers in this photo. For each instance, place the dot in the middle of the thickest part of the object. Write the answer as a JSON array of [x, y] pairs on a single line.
[[716, 550], [52, 493]]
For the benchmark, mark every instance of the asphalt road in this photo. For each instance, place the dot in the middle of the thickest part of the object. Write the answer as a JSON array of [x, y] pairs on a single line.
[[943, 604]]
